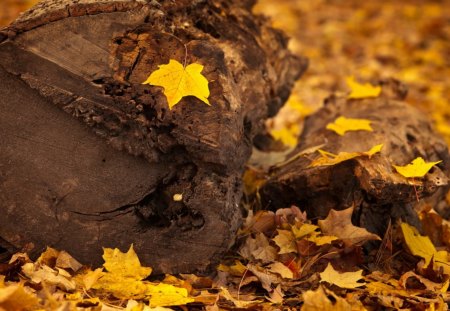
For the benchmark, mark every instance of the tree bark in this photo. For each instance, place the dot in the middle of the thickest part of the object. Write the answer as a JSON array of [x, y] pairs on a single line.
[[378, 193], [72, 68]]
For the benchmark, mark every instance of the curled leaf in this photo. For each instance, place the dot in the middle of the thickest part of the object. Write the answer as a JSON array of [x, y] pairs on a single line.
[[328, 158]]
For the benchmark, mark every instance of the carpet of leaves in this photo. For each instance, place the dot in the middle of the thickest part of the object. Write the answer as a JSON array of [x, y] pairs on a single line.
[[283, 260]]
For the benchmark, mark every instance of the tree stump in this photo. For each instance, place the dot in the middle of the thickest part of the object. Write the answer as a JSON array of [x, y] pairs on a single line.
[[72, 68], [372, 186]]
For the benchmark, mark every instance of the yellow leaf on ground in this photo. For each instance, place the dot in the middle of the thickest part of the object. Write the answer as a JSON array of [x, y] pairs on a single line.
[[339, 224], [121, 287], [318, 301], [125, 264], [417, 244], [342, 125], [279, 268], [303, 230], [320, 240], [417, 168], [359, 90], [164, 295], [179, 81], [14, 297], [344, 280], [285, 240], [91, 277], [238, 269], [328, 158]]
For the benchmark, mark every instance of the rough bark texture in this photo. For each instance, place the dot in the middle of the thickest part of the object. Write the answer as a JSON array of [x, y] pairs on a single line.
[[69, 69], [372, 185]]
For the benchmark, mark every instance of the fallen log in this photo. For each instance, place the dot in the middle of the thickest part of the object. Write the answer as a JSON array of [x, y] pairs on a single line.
[[378, 193], [90, 157]]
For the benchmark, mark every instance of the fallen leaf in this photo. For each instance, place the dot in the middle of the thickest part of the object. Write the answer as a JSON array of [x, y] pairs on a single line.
[[281, 269], [285, 240], [328, 158], [179, 81], [302, 230], [320, 240], [238, 269], [422, 247], [66, 261], [429, 285], [91, 277], [44, 274], [237, 302], [318, 301], [339, 224], [276, 296], [417, 168], [359, 90], [259, 248], [14, 297], [164, 295], [265, 276], [342, 279], [124, 264], [342, 125]]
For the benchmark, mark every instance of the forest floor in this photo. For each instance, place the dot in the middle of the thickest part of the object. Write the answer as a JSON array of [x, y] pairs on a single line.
[[285, 262]]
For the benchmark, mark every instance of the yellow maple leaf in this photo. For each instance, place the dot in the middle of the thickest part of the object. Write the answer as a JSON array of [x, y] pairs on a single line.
[[342, 125], [285, 240], [303, 230], [362, 90], [238, 269], [320, 240], [164, 295], [124, 264], [179, 81], [417, 168], [421, 246], [341, 279], [328, 158]]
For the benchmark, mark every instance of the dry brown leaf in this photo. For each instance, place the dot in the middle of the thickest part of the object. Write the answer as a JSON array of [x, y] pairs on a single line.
[[318, 301], [339, 224], [281, 269], [258, 248], [429, 285]]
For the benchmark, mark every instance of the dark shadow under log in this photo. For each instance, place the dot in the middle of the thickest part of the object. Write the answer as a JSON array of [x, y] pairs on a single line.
[[70, 69]]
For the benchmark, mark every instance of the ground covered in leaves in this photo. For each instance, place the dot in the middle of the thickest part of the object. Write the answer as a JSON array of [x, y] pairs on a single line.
[[284, 260]]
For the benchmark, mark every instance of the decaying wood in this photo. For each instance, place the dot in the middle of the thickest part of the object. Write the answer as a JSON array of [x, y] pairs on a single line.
[[71, 68], [371, 185]]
